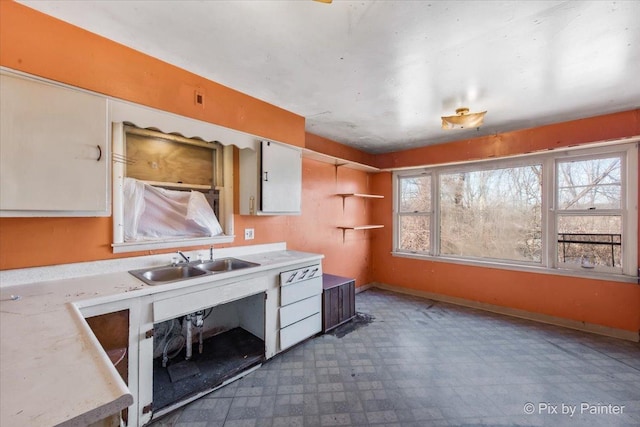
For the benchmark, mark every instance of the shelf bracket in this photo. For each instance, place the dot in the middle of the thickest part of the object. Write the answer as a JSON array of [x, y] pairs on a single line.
[[336, 166]]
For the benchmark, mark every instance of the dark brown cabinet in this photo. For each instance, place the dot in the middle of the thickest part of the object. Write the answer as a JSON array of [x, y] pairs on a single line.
[[338, 301]]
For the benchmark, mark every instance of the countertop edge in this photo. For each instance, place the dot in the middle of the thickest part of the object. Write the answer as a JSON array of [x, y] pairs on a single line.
[[75, 293]]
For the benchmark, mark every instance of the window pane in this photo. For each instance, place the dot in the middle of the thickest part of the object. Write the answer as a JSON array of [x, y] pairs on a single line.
[[588, 184], [415, 194], [492, 214], [414, 233], [590, 241]]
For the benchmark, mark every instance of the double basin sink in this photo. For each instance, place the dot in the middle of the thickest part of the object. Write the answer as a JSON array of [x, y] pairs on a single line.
[[183, 271]]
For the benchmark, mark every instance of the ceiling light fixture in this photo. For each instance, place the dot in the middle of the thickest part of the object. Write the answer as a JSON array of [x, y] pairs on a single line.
[[463, 119]]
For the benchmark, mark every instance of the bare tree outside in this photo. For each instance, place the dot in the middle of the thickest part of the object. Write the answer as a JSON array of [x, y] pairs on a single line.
[[589, 218], [494, 213], [414, 222]]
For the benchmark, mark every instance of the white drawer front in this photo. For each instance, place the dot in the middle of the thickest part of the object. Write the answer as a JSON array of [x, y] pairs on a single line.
[[299, 310], [300, 274], [297, 332], [300, 290], [184, 304]]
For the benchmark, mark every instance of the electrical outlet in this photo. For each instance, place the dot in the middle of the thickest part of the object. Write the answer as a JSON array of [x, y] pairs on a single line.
[[199, 97], [248, 234]]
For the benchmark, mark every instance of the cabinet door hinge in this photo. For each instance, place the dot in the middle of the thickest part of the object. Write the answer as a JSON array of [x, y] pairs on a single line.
[[147, 408], [149, 334]]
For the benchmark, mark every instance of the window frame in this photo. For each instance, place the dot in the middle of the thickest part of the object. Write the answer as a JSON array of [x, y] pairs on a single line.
[[426, 213], [627, 149], [223, 159], [621, 211]]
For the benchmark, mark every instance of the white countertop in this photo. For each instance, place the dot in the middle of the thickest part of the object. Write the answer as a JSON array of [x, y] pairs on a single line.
[[52, 369]]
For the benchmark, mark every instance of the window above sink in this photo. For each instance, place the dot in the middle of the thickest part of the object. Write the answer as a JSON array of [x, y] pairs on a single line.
[[157, 177], [122, 113]]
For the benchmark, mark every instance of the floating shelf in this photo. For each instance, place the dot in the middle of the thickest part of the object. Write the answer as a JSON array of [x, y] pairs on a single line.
[[338, 162], [358, 227], [361, 227], [369, 196], [360, 195]]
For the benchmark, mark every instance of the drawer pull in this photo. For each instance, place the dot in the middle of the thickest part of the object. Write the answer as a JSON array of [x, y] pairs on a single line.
[[304, 273], [292, 277], [313, 272]]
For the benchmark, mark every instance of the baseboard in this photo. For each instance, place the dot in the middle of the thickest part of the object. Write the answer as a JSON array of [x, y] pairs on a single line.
[[537, 317], [364, 287]]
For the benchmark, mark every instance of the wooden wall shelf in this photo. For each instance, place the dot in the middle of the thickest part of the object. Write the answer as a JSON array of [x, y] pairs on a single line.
[[359, 195], [361, 227], [358, 227], [368, 196]]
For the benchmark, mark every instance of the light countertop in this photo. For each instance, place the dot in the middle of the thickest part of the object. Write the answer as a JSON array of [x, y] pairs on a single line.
[[52, 369]]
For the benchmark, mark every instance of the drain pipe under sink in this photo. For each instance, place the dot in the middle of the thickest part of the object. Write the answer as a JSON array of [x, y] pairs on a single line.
[[199, 317], [189, 338]]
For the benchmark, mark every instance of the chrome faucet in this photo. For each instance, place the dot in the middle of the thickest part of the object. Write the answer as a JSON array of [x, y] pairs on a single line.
[[186, 258]]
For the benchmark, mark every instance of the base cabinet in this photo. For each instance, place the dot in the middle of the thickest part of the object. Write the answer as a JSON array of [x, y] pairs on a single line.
[[115, 326], [279, 308], [338, 301], [300, 304]]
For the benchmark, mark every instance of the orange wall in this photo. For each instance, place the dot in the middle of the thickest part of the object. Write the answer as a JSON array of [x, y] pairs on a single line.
[[323, 145], [40, 45], [316, 230], [543, 138], [601, 302], [37, 44]]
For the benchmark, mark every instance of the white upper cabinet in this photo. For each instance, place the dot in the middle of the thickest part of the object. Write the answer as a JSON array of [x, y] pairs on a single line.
[[271, 180], [54, 151]]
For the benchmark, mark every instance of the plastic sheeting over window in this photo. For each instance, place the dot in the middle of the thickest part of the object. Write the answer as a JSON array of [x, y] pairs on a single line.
[[152, 213]]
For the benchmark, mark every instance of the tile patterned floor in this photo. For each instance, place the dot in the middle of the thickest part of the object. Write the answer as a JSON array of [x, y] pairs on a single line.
[[424, 363]]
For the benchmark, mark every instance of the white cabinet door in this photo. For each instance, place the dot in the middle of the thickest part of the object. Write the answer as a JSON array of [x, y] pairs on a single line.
[[281, 178], [271, 180], [54, 150]]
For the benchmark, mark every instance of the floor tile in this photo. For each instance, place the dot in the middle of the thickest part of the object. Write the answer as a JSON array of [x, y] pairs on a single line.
[[425, 363]]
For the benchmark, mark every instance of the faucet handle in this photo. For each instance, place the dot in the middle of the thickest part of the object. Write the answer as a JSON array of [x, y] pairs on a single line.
[[184, 257]]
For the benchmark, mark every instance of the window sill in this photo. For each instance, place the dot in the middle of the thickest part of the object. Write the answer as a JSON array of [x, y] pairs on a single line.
[[145, 245], [521, 267]]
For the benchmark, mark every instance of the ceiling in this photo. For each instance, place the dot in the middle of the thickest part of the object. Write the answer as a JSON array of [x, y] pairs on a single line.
[[377, 75]]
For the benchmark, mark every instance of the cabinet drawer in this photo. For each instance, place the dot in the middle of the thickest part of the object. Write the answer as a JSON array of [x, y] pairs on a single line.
[[300, 290], [184, 304], [299, 310], [299, 274], [297, 332]]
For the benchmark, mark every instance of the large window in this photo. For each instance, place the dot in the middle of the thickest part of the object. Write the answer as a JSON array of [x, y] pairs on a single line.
[[493, 213], [414, 219], [589, 213], [571, 210]]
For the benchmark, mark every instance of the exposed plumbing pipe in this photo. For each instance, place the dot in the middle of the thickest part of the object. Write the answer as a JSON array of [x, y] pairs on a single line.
[[200, 325], [189, 338]]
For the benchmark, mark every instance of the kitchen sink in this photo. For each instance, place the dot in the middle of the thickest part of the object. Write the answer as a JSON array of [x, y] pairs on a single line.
[[171, 273], [224, 264], [174, 273]]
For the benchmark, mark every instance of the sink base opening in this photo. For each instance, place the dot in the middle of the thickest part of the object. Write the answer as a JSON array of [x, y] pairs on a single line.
[[230, 354], [196, 353]]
